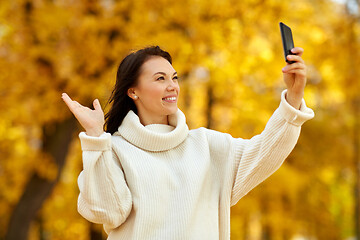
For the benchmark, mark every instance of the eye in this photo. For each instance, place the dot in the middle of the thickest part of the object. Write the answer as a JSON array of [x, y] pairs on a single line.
[[176, 78], [160, 78]]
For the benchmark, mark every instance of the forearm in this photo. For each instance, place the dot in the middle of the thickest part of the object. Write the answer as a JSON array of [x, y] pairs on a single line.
[[104, 196], [294, 98], [262, 155]]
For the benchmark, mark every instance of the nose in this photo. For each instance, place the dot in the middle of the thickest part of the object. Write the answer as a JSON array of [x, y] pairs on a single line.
[[172, 86]]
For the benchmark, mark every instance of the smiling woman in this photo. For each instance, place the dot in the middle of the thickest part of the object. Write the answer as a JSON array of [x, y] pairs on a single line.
[[150, 177]]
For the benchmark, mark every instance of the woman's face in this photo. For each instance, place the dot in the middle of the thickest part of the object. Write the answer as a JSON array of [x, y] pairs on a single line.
[[157, 90]]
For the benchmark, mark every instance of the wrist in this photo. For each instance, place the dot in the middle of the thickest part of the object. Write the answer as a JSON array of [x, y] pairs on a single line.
[[294, 99], [94, 132]]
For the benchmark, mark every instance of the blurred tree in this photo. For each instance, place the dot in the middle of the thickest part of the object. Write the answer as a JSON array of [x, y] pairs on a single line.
[[229, 58], [39, 187], [352, 82]]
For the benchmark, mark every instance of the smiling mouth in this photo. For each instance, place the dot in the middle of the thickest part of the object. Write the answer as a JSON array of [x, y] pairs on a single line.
[[170, 99]]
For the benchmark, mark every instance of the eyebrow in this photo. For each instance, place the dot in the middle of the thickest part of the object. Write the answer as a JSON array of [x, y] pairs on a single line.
[[163, 73]]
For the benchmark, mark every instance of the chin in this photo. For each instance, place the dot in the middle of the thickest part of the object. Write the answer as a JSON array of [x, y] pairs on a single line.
[[171, 111]]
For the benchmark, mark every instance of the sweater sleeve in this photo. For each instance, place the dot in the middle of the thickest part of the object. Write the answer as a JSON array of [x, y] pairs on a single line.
[[104, 195], [259, 157]]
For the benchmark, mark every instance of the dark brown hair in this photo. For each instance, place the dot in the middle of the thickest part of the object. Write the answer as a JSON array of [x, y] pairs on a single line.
[[126, 77]]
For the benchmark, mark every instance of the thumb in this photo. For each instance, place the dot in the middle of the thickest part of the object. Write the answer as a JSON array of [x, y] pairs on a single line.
[[97, 105]]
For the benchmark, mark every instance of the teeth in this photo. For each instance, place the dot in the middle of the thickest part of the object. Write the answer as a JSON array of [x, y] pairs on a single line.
[[170, 98]]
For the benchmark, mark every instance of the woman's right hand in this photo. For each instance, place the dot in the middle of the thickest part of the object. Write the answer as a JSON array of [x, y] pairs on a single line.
[[91, 120]]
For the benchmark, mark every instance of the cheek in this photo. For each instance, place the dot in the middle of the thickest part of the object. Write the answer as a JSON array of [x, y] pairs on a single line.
[[177, 88], [152, 93], [157, 94]]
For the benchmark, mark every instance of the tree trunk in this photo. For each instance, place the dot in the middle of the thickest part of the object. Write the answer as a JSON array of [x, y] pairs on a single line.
[[95, 234], [56, 139], [354, 102], [265, 224]]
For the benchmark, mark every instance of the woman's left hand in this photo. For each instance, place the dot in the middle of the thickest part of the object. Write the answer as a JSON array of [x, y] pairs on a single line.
[[295, 77]]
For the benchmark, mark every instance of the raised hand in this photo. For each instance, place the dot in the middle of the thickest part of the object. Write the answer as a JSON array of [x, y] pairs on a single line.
[[91, 120], [295, 77]]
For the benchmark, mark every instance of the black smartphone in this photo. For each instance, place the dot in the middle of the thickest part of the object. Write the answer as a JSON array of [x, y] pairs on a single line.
[[287, 40]]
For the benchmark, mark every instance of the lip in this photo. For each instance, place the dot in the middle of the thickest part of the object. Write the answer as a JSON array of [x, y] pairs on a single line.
[[174, 95], [170, 101]]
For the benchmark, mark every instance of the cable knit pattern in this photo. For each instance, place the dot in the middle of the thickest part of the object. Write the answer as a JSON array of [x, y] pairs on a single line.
[[166, 182]]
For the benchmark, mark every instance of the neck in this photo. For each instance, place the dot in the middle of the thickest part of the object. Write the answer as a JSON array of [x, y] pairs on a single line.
[[147, 120]]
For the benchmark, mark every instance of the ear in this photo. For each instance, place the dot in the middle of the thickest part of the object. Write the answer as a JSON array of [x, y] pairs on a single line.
[[131, 93]]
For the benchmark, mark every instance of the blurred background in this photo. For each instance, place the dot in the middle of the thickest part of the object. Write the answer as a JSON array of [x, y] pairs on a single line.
[[228, 55]]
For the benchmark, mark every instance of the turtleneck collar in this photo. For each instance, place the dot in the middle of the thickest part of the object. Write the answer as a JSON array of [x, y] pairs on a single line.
[[148, 138], [160, 128]]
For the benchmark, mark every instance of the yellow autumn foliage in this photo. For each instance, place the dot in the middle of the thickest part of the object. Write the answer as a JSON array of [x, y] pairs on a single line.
[[228, 56]]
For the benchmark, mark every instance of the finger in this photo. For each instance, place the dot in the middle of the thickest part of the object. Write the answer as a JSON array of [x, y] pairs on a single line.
[[68, 101], [76, 104], [97, 105], [298, 51], [293, 66], [65, 96], [289, 68], [298, 72], [295, 58]]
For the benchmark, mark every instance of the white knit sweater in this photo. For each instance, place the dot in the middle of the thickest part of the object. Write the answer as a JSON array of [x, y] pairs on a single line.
[[166, 182]]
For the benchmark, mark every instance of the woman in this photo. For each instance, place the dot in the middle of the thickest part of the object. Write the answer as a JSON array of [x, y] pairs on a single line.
[[149, 177]]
